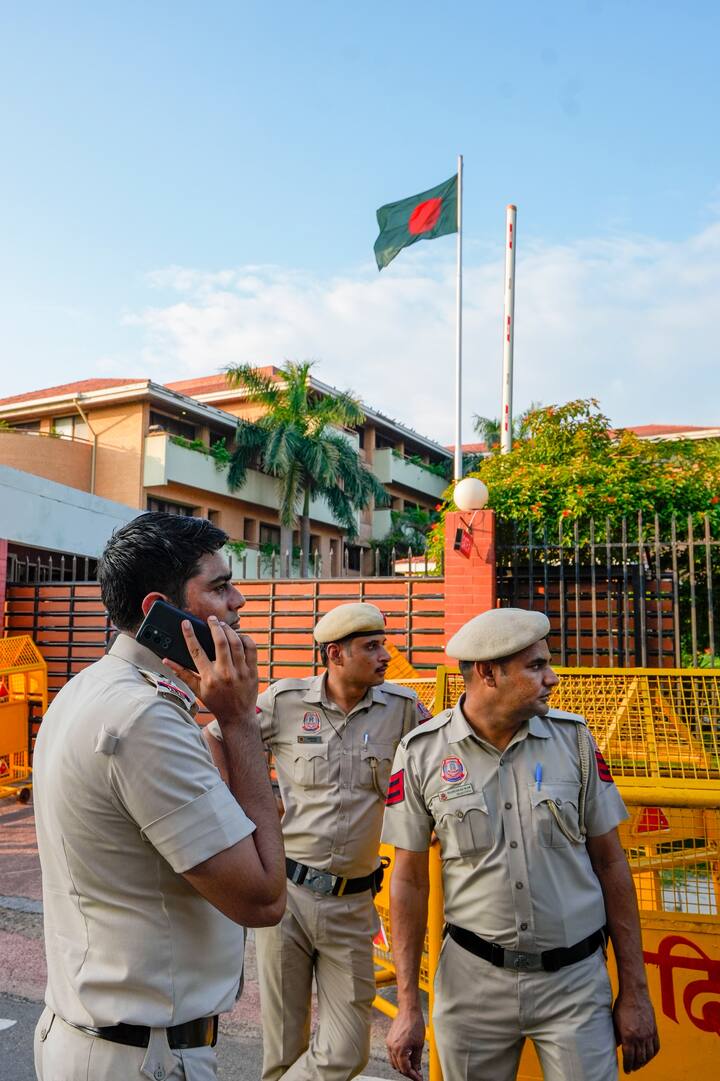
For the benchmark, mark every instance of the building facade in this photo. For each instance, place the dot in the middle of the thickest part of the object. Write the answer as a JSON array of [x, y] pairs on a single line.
[[149, 446]]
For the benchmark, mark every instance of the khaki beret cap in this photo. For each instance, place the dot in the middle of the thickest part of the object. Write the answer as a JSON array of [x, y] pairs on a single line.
[[499, 632], [348, 619]]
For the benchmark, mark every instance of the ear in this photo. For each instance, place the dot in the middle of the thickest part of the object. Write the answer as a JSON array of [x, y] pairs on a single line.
[[486, 672], [149, 601], [335, 653]]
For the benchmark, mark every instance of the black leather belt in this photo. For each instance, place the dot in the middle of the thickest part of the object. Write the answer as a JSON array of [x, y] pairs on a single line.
[[547, 961], [199, 1033], [332, 885]]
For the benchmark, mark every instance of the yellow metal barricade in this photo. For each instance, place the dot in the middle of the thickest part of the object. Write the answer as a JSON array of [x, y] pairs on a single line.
[[23, 682], [659, 731]]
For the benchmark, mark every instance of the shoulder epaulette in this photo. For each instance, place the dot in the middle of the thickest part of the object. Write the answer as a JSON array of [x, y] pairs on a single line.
[[165, 688], [398, 689], [563, 715], [426, 727], [290, 684]]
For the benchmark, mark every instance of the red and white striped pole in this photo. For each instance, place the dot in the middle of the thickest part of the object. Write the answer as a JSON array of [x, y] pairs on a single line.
[[508, 330]]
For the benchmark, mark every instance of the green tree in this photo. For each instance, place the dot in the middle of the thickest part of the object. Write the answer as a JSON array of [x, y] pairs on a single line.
[[409, 530], [573, 465], [296, 440]]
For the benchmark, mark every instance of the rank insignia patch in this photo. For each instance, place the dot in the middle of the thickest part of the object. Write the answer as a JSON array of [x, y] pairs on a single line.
[[452, 770], [603, 769], [311, 722], [423, 712], [396, 788]]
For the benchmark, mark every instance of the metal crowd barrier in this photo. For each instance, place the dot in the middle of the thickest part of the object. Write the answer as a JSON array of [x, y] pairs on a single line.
[[659, 731]]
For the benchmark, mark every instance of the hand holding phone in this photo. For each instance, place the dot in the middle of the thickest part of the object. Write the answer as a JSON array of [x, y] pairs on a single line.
[[161, 631], [218, 664]]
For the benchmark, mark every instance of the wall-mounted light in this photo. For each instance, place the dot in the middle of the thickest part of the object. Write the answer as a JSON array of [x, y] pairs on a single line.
[[470, 495]]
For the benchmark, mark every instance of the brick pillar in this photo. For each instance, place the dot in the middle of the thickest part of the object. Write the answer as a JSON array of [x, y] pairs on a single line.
[[3, 581], [469, 580]]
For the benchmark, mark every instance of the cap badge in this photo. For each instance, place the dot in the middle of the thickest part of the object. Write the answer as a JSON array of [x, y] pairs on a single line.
[[311, 722], [452, 770]]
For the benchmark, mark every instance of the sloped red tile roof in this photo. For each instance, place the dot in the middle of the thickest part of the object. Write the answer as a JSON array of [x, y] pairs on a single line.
[[83, 386], [210, 384], [468, 448], [649, 430]]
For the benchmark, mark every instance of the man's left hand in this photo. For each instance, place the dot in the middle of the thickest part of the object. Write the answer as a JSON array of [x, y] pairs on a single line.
[[635, 1029]]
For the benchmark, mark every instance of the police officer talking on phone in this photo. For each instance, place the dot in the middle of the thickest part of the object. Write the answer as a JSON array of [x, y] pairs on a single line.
[[151, 863]]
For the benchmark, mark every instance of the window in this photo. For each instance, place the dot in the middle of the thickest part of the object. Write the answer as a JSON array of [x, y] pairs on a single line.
[[270, 534], [383, 441], [172, 425], [361, 437], [249, 529], [215, 436], [163, 506], [72, 427], [214, 517], [27, 426], [353, 557]]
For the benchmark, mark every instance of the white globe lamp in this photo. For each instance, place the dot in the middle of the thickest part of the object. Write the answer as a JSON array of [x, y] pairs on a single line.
[[470, 494]]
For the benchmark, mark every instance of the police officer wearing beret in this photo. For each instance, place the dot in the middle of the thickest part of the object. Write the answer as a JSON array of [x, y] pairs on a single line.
[[333, 737], [534, 876], [150, 863]]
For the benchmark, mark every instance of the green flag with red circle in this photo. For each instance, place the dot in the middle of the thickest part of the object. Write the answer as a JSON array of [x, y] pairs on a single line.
[[425, 216]]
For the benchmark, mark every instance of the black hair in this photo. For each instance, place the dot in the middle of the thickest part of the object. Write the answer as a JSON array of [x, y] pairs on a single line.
[[154, 553], [467, 667], [344, 642], [466, 670]]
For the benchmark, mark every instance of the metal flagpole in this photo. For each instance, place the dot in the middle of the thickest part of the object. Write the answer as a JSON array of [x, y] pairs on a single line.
[[458, 358], [508, 330]]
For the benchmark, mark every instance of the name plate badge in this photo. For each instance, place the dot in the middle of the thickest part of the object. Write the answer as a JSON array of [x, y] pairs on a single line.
[[459, 790]]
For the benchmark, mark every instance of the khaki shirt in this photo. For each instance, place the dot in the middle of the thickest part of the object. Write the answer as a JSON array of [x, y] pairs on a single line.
[[126, 799], [509, 873], [333, 769]]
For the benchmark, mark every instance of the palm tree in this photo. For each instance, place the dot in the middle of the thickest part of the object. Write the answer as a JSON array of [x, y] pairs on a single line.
[[489, 430], [296, 441]]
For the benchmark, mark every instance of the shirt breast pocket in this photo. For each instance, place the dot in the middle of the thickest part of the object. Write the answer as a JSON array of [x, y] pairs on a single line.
[[463, 826], [310, 765], [375, 764], [555, 813]]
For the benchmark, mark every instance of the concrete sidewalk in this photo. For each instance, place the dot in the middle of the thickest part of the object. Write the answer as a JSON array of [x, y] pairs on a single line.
[[23, 971]]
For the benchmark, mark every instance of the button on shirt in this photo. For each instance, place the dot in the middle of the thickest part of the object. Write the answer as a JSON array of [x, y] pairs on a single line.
[[510, 874], [333, 768], [126, 799]]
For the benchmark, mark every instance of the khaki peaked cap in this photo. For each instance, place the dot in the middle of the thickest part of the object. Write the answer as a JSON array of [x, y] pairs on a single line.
[[346, 620], [499, 632]]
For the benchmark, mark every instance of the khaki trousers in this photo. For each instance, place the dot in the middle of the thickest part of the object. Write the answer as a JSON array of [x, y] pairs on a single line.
[[330, 938], [483, 1015], [63, 1053]]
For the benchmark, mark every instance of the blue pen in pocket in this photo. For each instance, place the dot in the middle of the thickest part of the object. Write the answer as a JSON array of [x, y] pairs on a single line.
[[538, 776]]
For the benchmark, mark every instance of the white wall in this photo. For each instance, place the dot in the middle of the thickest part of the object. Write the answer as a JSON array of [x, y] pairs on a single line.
[[43, 514]]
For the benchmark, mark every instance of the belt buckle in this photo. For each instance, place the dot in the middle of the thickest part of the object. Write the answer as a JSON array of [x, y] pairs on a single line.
[[521, 961], [320, 881]]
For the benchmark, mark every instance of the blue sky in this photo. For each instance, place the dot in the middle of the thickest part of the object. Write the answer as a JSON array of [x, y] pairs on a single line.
[[184, 185]]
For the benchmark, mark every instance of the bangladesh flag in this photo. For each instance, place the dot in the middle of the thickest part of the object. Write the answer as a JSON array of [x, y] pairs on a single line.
[[421, 217]]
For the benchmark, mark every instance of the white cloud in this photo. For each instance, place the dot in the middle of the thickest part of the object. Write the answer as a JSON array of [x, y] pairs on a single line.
[[630, 321]]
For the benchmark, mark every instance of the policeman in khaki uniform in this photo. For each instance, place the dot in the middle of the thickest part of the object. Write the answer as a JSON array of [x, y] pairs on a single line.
[[150, 865], [534, 877], [333, 738]]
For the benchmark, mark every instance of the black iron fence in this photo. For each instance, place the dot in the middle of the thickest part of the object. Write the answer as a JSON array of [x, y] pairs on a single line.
[[635, 594]]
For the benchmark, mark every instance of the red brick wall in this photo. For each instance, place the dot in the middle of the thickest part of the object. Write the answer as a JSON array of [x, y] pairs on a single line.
[[469, 580], [71, 629]]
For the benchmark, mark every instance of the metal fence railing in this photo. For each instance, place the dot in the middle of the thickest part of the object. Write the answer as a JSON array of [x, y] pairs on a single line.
[[632, 595]]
